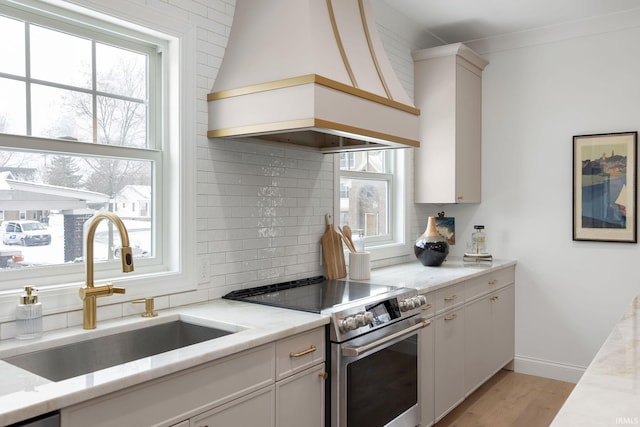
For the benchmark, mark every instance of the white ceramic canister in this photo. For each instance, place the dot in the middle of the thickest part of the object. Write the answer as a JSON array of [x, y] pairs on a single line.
[[359, 265]]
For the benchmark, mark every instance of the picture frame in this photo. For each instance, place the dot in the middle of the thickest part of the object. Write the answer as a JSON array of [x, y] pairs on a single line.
[[605, 169], [446, 226]]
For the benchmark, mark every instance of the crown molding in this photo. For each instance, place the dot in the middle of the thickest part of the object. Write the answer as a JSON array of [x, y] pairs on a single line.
[[555, 33]]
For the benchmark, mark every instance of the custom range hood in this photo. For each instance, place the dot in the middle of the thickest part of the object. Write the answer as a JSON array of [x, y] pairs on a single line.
[[312, 73]]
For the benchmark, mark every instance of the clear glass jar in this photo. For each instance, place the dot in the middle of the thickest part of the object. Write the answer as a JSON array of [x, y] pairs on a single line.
[[479, 240]]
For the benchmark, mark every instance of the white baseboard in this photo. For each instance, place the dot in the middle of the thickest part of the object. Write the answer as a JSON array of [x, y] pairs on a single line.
[[548, 369]]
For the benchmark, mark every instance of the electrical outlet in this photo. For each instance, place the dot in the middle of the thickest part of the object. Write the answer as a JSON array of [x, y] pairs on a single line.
[[203, 269]]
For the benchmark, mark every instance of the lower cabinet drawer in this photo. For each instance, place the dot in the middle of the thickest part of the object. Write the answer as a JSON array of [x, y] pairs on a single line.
[[449, 297], [299, 352], [489, 282]]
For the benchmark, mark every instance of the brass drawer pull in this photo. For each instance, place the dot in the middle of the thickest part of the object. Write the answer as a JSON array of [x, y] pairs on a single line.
[[493, 282], [427, 306], [453, 316], [303, 353], [493, 298], [451, 298], [323, 375]]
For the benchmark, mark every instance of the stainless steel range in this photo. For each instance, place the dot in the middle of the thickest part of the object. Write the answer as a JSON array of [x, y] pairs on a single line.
[[373, 346]]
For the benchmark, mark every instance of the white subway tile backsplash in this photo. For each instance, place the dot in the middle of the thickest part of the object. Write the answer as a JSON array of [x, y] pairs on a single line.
[[7, 330], [187, 298], [54, 321], [243, 278]]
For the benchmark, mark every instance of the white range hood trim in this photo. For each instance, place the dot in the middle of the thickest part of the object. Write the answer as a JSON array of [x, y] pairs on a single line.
[[299, 105]]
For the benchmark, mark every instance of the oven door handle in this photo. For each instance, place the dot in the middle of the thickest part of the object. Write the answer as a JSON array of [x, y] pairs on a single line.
[[357, 351]]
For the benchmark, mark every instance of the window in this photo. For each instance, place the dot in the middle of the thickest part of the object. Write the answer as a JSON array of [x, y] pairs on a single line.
[[371, 195], [82, 130]]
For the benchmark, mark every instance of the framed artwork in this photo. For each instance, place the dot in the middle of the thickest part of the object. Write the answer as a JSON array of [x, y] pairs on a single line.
[[446, 226], [605, 169]]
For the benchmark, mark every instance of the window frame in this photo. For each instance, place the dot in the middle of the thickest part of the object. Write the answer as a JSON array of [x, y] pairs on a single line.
[[170, 271], [396, 244]]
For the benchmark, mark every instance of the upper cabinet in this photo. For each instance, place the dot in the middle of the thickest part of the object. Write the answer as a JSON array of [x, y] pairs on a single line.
[[448, 92]]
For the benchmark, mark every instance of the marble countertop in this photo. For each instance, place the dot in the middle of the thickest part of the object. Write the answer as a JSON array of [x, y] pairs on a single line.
[[608, 394], [427, 279], [24, 395]]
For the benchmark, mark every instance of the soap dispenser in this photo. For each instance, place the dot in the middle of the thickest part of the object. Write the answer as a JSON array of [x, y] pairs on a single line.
[[29, 315]]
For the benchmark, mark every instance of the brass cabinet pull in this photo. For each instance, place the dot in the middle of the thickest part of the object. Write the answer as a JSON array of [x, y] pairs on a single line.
[[451, 298], [303, 353], [451, 317], [323, 375], [493, 282], [495, 297], [427, 306]]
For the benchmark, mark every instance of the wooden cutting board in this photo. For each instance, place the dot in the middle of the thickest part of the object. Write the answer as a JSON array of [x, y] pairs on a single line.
[[332, 254]]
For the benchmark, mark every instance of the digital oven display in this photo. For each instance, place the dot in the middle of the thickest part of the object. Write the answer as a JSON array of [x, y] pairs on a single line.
[[384, 312]]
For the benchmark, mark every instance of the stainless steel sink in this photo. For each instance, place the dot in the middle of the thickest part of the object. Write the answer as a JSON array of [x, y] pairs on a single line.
[[68, 361]]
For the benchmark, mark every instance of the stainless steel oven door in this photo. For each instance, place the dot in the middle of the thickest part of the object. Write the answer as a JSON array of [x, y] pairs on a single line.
[[374, 379]]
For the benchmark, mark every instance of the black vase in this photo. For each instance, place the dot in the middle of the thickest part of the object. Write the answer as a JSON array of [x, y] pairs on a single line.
[[431, 248]]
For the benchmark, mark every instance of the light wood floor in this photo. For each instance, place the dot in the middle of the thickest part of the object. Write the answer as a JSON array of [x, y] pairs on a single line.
[[510, 399]]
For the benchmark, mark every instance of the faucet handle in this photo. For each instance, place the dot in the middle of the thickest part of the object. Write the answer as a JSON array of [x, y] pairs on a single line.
[[148, 306], [117, 290]]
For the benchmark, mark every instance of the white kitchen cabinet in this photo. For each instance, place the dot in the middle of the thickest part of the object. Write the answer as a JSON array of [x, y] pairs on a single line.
[[503, 327], [301, 375], [474, 336], [255, 410], [478, 362], [448, 92], [489, 336], [449, 361], [300, 399]]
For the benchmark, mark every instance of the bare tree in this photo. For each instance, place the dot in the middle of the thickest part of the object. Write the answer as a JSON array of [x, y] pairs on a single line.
[[120, 118]]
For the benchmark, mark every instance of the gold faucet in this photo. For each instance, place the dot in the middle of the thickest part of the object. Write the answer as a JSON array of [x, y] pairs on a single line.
[[90, 293]]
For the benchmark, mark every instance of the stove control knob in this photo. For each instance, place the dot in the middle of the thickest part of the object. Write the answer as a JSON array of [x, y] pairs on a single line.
[[347, 324], [368, 317], [364, 319], [423, 299], [417, 302], [405, 304]]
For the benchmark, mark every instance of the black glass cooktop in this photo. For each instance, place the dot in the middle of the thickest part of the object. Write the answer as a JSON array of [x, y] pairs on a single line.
[[316, 294]]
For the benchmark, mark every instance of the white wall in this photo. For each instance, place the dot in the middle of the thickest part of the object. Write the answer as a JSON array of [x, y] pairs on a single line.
[[538, 93]]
